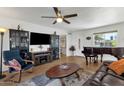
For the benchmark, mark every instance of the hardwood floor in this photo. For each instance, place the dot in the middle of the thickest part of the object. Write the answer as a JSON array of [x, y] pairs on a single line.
[[41, 69]]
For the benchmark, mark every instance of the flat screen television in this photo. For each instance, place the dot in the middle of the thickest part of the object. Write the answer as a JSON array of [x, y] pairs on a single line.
[[39, 39]]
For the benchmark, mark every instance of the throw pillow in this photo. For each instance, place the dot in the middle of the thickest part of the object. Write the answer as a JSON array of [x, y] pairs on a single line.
[[15, 64], [117, 66]]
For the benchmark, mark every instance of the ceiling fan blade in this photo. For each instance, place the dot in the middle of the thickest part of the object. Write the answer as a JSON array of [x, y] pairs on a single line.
[[56, 10], [54, 22], [66, 21], [71, 15], [48, 17]]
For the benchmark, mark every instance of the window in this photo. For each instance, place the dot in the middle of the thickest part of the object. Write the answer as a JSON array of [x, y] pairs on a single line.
[[106, 39]]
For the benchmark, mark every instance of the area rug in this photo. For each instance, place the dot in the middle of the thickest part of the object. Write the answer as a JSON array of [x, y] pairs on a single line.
[[72, 80]]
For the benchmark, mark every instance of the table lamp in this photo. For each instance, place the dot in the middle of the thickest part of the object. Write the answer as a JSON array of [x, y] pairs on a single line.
[[2, 31]]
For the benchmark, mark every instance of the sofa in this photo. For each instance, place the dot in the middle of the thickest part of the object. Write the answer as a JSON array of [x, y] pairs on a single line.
[[105, 77]]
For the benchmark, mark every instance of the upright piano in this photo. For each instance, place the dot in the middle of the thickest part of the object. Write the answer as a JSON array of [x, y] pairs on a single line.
[[118, 52]]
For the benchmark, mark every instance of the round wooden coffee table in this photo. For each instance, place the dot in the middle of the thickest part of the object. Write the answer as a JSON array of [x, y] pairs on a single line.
[[63, 70]]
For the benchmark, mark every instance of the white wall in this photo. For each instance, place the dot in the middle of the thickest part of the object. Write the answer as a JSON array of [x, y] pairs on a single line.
[[84, 33], [68, 43], [12, 24]]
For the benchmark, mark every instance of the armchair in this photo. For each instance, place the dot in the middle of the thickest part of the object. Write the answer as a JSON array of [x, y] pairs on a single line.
[[14, 54]]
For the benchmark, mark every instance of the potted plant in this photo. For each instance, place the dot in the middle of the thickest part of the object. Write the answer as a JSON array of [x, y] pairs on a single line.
[[72, 48]]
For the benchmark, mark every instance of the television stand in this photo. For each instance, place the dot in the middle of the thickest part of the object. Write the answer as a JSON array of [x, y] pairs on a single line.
[[41, 57]]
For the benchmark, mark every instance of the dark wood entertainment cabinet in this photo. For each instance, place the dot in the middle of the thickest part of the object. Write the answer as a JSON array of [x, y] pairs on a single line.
[[19, 39]]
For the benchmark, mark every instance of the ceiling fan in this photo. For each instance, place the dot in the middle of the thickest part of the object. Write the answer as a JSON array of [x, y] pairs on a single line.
[[59, 17]]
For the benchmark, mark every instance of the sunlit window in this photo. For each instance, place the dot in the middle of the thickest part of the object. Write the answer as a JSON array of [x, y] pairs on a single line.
[[106, 39]]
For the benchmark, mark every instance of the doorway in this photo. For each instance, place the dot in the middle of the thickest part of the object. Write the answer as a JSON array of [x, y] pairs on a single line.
[[63, 45]]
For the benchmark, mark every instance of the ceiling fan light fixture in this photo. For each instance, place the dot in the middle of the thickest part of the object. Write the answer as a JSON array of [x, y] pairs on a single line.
[[59, 17], [59, 20]]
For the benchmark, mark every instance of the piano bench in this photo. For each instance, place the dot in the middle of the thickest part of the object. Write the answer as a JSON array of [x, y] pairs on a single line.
[[91, 57]]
